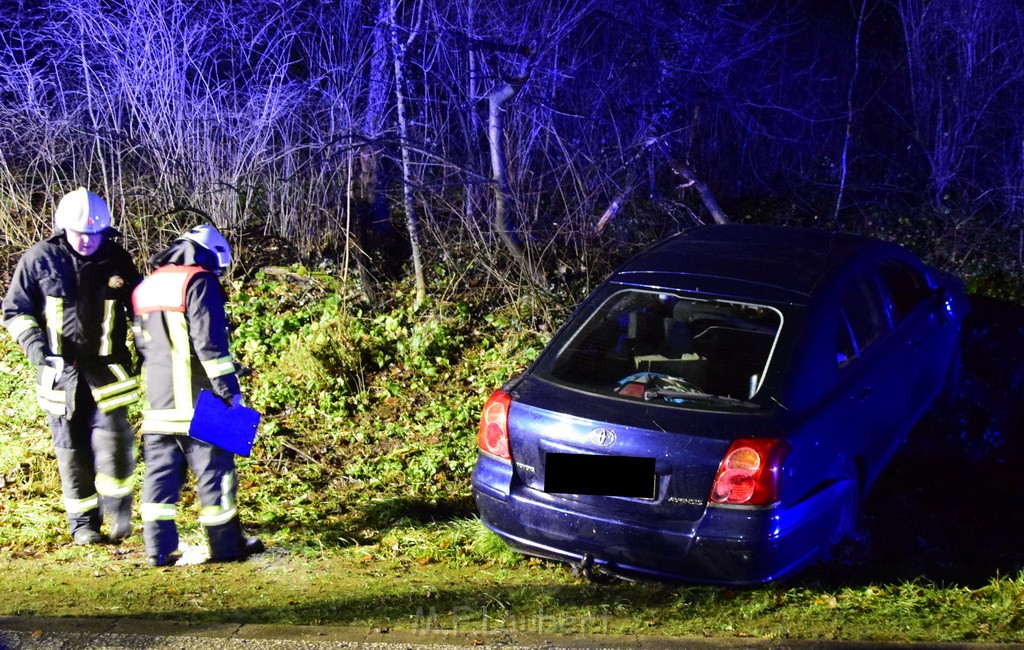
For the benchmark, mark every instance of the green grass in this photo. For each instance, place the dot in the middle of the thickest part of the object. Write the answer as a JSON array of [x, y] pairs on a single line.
[[367, 588], [360, 486]]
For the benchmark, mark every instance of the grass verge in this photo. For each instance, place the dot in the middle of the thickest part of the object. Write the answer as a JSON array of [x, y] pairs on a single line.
[[360, 488], [366, 590]]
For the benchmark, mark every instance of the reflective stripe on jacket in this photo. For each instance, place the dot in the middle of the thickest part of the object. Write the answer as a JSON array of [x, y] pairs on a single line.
[[78, 308], [181, 333]]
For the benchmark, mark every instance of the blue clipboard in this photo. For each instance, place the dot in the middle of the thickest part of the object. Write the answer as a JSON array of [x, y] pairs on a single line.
[[232, 428]]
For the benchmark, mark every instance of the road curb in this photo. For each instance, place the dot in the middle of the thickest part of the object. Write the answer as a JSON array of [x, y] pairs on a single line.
[[36, 633]]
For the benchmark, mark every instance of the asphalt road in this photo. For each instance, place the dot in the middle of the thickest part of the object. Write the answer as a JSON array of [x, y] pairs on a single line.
[[17, 633]]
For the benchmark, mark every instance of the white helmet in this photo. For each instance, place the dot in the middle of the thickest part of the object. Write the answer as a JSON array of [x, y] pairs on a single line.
[[208, 237], [82, 211]]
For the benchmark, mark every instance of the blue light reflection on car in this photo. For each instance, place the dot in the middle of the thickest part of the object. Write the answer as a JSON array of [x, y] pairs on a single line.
[[750, 383]]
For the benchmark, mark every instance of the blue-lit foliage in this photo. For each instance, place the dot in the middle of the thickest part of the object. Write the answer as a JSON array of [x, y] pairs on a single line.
[[281, 114]]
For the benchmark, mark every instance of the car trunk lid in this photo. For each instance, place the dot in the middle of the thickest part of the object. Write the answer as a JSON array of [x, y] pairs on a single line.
[[620, 456]]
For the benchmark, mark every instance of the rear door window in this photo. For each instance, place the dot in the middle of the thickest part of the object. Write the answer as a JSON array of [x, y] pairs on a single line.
[[846, 349], [864, 312], [906, 286]]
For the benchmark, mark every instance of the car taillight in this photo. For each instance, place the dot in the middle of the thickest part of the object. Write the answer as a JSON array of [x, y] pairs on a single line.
[[749, 472], [492, 436]]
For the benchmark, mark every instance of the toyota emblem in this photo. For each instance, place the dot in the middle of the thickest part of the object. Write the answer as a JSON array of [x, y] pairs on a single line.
[[602, 437]]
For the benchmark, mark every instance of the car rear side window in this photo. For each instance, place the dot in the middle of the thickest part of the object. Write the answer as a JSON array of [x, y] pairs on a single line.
[[846, 349], [864, 311], [906, 286], [650, 345]]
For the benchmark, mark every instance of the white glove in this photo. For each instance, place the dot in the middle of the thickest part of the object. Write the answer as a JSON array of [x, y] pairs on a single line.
[[57, 363]]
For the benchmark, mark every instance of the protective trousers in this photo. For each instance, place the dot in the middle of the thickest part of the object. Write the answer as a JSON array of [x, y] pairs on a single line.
[[96, 459], [168, 458]]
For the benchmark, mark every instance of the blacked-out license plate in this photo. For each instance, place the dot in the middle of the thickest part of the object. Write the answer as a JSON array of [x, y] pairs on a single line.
[[617, 476]]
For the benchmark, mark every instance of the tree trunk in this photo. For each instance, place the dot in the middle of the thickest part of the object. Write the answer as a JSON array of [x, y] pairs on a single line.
[[843, 159], [497, 99], [707, 197], [371, 202], [408, 200]]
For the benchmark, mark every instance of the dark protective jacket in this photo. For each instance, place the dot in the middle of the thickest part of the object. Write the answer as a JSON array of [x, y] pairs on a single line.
[[76, 307], [181, 333]]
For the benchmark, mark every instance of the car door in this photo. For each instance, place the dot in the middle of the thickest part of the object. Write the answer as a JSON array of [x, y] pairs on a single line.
[[922, 346], [869, 375]]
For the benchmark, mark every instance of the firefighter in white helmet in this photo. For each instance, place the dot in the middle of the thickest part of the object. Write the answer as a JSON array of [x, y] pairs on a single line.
[[69, 308], [181, 332]]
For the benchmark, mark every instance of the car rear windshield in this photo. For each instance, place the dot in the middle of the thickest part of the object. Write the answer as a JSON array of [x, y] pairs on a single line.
[[647, 345]]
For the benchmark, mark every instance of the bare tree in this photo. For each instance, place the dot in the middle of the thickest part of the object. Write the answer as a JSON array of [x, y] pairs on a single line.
[[516, 125], [399, 46], [506, 87], [843, 157], [962, 57]]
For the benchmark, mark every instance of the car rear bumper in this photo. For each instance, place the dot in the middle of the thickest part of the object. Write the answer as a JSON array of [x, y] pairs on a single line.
[[725, 546]]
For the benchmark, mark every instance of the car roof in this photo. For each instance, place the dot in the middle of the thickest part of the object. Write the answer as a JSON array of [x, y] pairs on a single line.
[[794, 259]]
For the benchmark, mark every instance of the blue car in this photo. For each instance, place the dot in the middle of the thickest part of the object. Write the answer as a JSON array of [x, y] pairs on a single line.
[[716, 410]]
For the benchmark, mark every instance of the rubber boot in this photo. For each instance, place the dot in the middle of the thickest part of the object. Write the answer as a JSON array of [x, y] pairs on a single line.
[[85, 526], [161, 541], [229, 544], [118, 511], [77, 486], [84, 536]]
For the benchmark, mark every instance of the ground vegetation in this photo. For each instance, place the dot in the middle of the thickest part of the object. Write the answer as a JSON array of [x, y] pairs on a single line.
[[359, 485], [419, 191]]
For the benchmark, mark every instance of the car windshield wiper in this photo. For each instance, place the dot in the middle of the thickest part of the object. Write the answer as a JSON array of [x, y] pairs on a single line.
[[696, 396]]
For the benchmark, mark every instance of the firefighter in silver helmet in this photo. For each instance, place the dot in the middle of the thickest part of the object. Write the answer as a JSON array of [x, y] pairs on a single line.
[[181, 332], [69, 308]]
